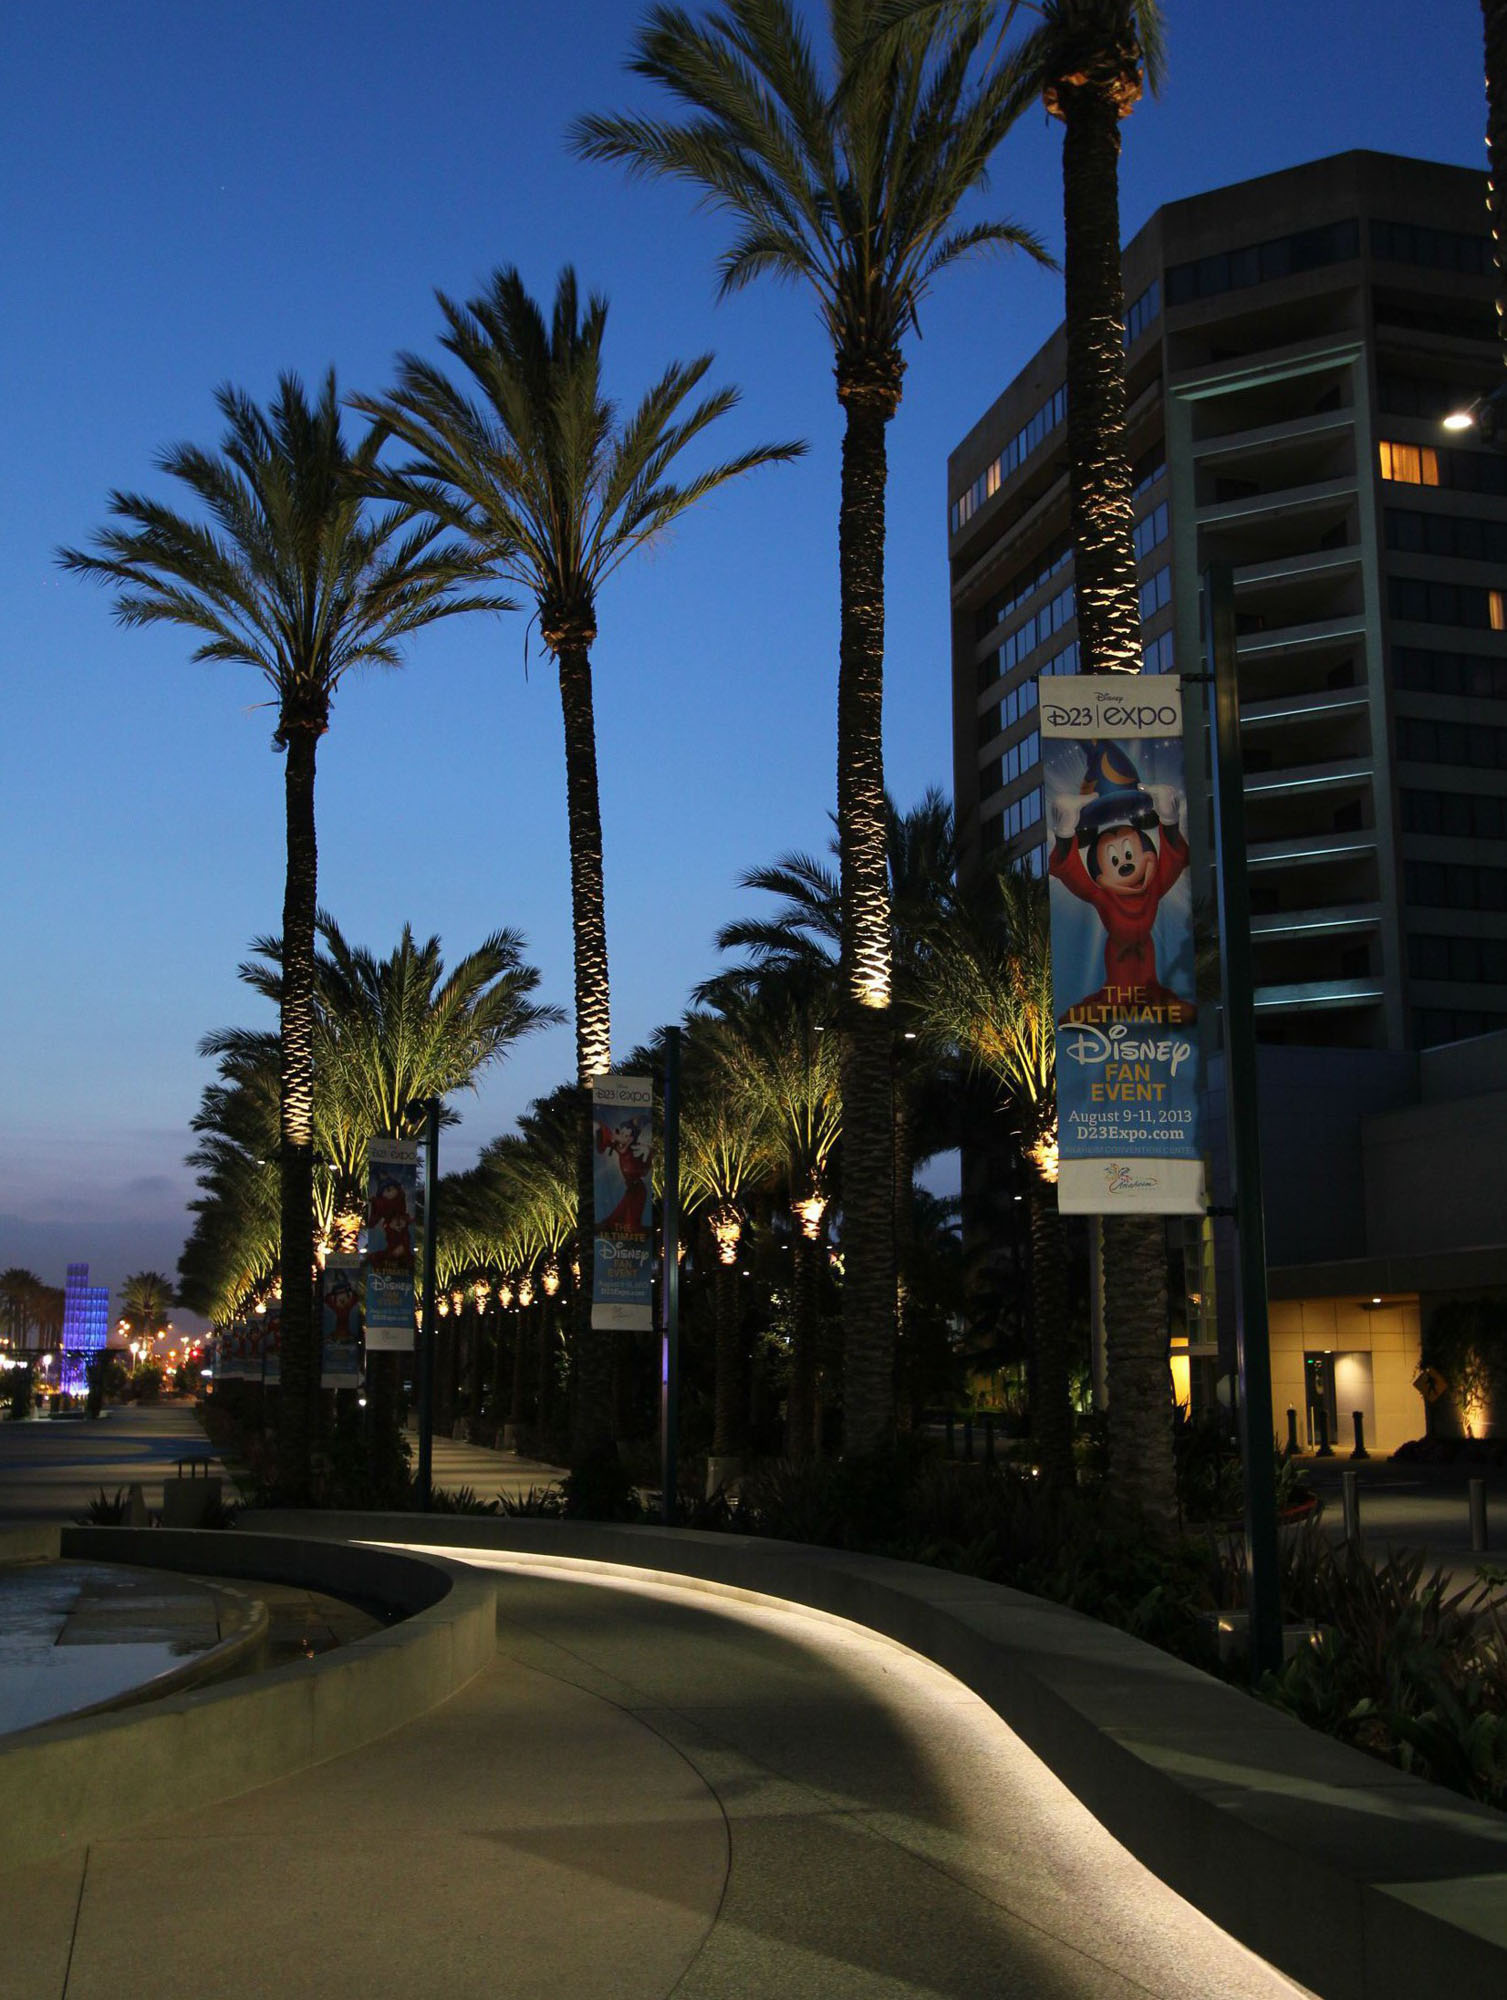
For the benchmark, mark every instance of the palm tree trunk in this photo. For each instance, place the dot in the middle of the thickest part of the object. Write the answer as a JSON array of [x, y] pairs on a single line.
[[1103, 512], [800, 1398], [592, 1412], [1051, 1402], [296, 1112], [729, 1426], [868, 1227], [1109, 636], [1494, 21], [1141, 1406], [905, 1211]]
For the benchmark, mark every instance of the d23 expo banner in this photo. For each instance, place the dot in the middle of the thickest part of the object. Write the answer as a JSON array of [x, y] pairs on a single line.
[[1122, 946], [391, 1220], [340, 1323], [622, 1272]]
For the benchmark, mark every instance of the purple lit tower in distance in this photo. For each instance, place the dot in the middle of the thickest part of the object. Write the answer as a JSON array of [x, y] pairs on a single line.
[[86, 1328]]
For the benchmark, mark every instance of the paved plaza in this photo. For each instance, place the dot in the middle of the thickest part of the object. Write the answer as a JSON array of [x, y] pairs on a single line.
[[646, 1793]]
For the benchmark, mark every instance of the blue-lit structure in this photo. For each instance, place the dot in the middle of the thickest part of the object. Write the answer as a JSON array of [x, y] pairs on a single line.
[[86, 1328]]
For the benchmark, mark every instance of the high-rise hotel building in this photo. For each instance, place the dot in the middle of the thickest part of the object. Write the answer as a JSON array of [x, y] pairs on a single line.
[[1292, 345]]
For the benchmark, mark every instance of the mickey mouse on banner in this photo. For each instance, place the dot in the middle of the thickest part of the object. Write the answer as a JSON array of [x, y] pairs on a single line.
[[1118, 847]]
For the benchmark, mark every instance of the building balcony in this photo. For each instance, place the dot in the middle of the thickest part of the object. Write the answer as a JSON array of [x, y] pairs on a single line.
[[1348, 771], [1310, 995], [1296, 850], [1338, 920], [1260, 715], [1287, 501], [1283, 639], [1297, 429]]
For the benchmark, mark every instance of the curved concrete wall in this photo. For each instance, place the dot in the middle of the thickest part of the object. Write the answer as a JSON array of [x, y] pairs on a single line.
[[1359, 1881], [71, 1781]]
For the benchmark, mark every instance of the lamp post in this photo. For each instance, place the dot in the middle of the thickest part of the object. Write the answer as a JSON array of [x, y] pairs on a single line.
[[426, 1324]]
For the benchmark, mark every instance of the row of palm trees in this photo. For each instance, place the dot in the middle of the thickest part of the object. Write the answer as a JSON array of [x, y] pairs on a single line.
[[842, 167]]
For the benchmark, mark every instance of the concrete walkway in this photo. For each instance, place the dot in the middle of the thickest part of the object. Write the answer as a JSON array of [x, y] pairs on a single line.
[[487, 1472], [50, 1469], [647, 1793]]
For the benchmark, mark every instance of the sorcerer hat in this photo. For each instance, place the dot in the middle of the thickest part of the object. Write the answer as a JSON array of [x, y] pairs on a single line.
[[1114, 794]]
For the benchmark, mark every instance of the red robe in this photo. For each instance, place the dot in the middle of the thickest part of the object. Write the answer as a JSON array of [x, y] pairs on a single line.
[[1130, 976]]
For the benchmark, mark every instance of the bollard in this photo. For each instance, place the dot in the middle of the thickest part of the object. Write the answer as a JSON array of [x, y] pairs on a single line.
[[1478, 1537], [968, 1436], [1321, 1425], [1358, 1418], [1292, 1432], [1350, 1487], [951, 1421], [989, 1437]]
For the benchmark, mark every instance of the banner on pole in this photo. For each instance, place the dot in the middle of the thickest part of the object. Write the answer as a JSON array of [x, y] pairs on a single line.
[[272, 1347], [340, 1323], [1122, 946], [391, 1209], [622, 1272]]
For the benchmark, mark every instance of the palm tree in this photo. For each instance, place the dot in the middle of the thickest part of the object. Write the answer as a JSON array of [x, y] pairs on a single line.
[[845, 176], [726, 1150], [1494, 25], [921, 862], [286, 569], [779, 1057], [1093, 59], [989, 995], [146, 1302], [19, 1293], [530, 463]]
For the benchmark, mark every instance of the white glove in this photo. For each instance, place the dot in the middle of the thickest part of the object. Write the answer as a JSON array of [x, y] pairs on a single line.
[[1062, 813], [1167, 802]]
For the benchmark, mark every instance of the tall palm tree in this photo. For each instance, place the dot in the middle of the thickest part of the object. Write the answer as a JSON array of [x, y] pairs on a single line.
[[989, 995], [1093, 60], [1494, 26], [284, 568], [19, 1292], [530, 463], [844, 174], [146, 1301]]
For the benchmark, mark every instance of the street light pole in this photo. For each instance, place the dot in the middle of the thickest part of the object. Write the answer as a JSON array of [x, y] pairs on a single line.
[[669, 1376], [426, 1326], [1252, 1343]]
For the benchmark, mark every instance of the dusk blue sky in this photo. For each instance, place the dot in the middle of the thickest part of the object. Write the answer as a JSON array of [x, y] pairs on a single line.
[[195, 194]]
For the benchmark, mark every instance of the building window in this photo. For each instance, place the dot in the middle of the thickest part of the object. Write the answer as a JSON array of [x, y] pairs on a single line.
[[1422, 740], [1476, 676], [1432, 249], [1027, 636], [1411, 464], [1424, 602], [1150, 532], [1464, 961], [1156, 592], [1037, 428], [1456, 815], [1457, 537], [1147, 470], [1259, 263], [1146, 309], [1439, 885], [1157, 657], [1025, 583], [1434, 1025]]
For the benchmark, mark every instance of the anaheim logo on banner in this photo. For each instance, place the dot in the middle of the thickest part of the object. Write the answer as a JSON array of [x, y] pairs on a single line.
[[1122, 946]]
